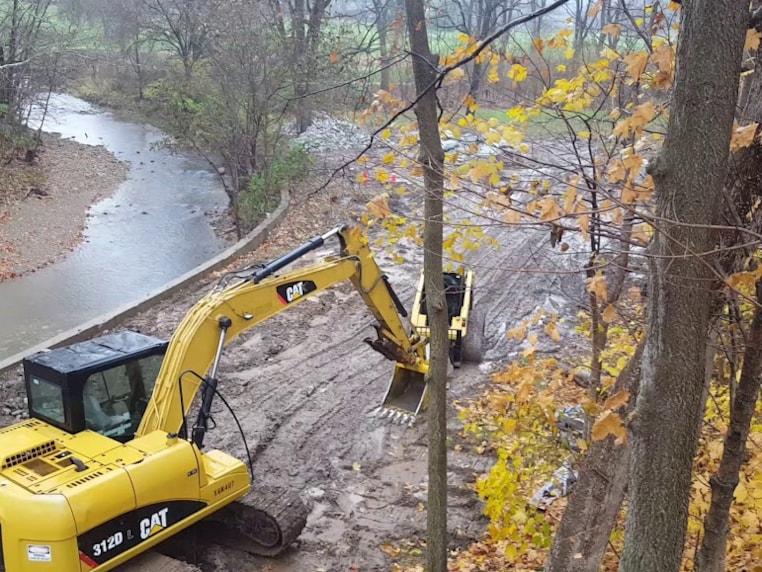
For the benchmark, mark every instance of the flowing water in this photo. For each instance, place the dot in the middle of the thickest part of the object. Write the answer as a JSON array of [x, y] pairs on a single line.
[[151, 230]]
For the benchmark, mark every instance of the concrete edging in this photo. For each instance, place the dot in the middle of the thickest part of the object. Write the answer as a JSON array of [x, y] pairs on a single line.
[[251, 241]]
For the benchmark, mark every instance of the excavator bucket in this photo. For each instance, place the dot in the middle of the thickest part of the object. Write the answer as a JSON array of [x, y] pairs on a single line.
[[405, 395]]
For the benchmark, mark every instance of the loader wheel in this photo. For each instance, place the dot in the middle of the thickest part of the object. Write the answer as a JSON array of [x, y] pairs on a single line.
[[456, 353], [473, 343]]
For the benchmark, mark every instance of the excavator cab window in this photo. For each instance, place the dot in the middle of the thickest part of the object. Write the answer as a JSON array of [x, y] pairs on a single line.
[[115, 399], [46, 399], [103, 384]]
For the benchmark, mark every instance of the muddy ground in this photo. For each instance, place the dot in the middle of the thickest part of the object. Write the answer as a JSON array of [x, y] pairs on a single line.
[[304, 383]]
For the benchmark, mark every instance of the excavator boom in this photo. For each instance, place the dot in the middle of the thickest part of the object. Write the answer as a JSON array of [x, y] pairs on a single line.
[[261, 294]]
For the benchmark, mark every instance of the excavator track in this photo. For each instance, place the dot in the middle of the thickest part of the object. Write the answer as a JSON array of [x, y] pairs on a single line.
[[264, 522]]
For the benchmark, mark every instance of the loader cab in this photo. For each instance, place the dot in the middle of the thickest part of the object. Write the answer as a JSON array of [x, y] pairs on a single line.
[[102, 384]]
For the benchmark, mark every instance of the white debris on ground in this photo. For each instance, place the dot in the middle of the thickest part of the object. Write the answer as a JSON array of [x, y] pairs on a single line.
[[559, 485], [328, 135]]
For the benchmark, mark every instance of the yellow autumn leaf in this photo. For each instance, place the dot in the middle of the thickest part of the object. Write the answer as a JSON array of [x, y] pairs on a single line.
[[752, 39], [551, 328], [609, 424], [512, 135], [382, 176], [609, 314], [741, 493], [616, 172], [549, 209], [743, 136], [525, 389], [379, 207], [388, 158], [569, 53], [512, 216], [597, 285], [517, 73], [391, 550], [636, 64], [612, 30], [664, 57], [749, 519], [517, 113], [492, 75], [643, 114], [617, 400], [629, 195], [570, 197], [386, 134], [532, 345], [480, 170], [561, 68], [742, 280], [584, 225]]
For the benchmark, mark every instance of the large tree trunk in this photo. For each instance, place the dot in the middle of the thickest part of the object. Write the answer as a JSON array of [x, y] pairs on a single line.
[[745, 187], [689, 174], [581, 539], [432, 158], [711, 556]]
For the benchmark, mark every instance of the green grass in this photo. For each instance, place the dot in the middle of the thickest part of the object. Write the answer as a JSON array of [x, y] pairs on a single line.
[[547, 124]]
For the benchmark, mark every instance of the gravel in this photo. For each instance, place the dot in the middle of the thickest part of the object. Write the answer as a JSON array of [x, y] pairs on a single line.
[[328, 135]]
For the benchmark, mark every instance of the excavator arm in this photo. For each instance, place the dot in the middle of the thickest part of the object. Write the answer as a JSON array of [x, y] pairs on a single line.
[[217, 319]]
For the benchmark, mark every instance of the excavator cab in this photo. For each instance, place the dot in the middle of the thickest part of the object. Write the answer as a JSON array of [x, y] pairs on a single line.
[[102, 384]]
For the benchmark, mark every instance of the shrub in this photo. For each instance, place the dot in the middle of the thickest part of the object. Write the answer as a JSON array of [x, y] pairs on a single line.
[[263, 191]]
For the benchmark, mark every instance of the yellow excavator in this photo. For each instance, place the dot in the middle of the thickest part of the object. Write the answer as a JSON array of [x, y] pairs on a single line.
[[109, 464]]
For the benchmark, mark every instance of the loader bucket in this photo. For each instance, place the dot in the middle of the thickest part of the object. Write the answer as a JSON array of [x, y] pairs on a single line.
[[405, 394]]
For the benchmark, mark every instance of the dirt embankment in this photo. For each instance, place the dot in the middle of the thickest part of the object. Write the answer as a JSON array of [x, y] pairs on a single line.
[[43, 216]]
